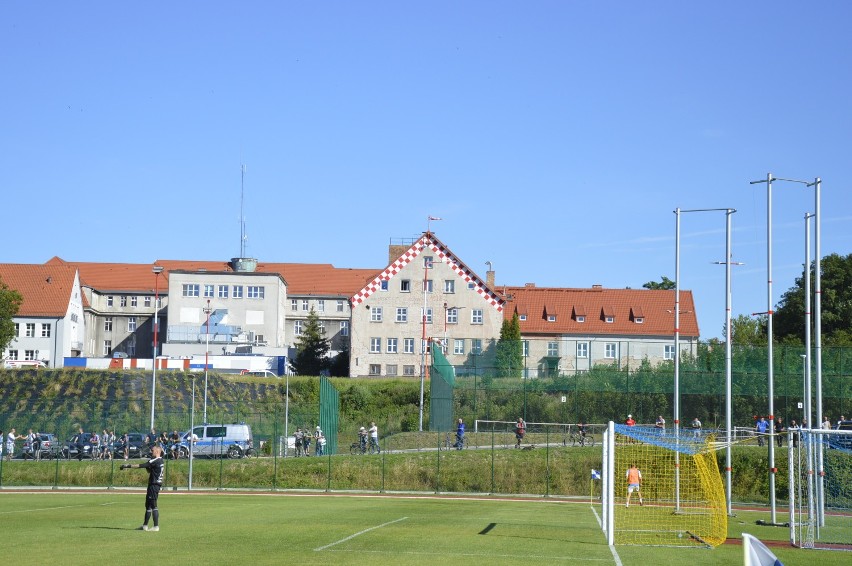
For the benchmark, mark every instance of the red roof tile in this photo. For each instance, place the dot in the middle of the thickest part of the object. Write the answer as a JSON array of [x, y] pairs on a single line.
[[657, 308], [46, 289]]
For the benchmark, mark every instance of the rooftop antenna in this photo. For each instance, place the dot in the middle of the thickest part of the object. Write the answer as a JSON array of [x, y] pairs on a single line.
[[243, 236]]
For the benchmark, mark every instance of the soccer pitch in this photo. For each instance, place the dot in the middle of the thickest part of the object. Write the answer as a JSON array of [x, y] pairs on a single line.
[[230, 528]]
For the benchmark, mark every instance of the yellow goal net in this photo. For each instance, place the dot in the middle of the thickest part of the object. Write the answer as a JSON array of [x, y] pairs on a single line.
[[676, 493]]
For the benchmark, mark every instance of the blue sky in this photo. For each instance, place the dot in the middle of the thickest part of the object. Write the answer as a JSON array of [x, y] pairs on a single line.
[[554, 139]]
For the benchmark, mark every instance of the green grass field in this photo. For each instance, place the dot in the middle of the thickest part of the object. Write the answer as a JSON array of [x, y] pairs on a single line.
[[228, 528]]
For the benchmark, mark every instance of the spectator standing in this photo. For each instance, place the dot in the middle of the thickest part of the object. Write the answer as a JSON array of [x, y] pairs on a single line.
[[840, 421], [696, 428], [37, 446], [10, 443], [362, 439], [520, 431], [29, 444], [459, 435], [78, 443], [779, 431], [630, 421], [298, 438], [760, 429], [660, 425], [826, 424], [107, 444], [95, 441], [374, 437], [306, 442], [320, 441], [795, 428]]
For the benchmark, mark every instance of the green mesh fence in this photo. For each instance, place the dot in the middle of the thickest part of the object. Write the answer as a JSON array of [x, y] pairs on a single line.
[[441, 392], [329, 414]]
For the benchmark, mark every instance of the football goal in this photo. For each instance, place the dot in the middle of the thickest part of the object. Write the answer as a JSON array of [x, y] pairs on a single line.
[[680, 500], [820, 467]]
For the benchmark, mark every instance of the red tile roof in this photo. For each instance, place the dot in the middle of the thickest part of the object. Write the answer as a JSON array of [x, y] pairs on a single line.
[[117, 277], [656, 308], [46, 289]]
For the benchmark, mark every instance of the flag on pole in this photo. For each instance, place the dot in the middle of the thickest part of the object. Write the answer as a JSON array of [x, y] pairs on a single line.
[[755, 553], [596, 475]]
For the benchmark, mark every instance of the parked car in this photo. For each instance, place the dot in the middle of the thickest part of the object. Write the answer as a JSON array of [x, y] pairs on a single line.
[[220, 440], [76, 444], [48, 447], [258, 373], [137, 447]]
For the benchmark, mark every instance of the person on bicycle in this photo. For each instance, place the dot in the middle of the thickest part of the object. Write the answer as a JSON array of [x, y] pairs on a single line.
[[520, 431], [581, 429], [362, 439], [459, 435]]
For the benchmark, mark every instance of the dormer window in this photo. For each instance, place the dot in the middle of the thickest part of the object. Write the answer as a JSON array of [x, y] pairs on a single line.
[[551, 318], [637, 315], [581, 318], [608, 315], [550, 312], [609, 319], [522, 317], [639, 320]]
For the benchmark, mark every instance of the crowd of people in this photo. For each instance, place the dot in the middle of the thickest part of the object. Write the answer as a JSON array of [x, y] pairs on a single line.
[[304, 438]]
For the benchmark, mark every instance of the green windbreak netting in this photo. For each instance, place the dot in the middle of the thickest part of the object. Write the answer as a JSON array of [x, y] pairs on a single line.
[[329, 413], [441, 388]]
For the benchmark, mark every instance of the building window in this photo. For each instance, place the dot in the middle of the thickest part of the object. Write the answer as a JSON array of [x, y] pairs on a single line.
[[458, 346], [108, 324], [29, 354], [134, 301], [476, 316], [638, 320], [384, 285], [553, 349], [390, 369], [408, 370], [190, 290], [526, 345], [428, 261], [30, 330], [17, 329], [109, 300], [471, 285], [551, 318], [449, 286], [428, 314], [392, 345], [522, 317], [375, 314], [321, 326], [476, 346], [223, 291], [258, 340], [297, 328], [375, 345], [669, 352], [73, 319], [609, 319], [147, 301], [45, 330], [375, 369], [581, 318], [294, 304], [107, 347], [131, 324], [13, 354], [320, 305], [208, 291], [305, 305], [123, 301], [344, 328], [609, 350], [339, 305], [428, 285], [256, 292], [408, 345], [401, 314], [237, 291], [453, 316], [405, 286], [582, 349]]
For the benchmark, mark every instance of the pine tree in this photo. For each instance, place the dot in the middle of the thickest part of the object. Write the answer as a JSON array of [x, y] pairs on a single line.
[[312, 348]]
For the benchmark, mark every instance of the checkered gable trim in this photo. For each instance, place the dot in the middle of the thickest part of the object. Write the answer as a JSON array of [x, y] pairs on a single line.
[[445, 256]]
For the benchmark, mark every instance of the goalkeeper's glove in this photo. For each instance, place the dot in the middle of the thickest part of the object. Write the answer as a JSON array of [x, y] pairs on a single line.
[[124, 467]]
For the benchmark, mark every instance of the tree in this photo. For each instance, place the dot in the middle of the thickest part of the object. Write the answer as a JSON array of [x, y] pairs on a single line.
[[339, 366], [836, 305], [510, 353], [10, 303], [748, 331], [312, 348], [665, 285]]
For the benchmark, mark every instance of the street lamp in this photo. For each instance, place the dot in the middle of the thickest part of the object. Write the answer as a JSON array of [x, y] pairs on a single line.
[[207, 311], [157, 269]]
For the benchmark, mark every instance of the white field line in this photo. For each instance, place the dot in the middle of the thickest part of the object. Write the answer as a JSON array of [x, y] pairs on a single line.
[[615, 555], [40, 509], [350, 537]]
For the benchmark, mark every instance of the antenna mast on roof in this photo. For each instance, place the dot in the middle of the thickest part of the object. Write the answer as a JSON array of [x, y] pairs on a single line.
[[243, 236]]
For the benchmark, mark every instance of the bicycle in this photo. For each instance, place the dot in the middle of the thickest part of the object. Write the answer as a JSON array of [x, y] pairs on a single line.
[[358, 448], [450, 442], [575, 438]]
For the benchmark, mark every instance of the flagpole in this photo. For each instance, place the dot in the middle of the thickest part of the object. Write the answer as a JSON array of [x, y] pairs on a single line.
[[423, 346]]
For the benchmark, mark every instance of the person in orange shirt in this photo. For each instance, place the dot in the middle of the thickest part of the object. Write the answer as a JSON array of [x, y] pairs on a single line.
[[634, 479], [630, 421]]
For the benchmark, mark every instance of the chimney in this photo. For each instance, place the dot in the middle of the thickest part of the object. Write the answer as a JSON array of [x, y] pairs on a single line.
[[396, 250], [489, 278]]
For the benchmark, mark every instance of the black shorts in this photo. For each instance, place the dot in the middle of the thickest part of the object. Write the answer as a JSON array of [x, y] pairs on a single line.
[[152, 495]]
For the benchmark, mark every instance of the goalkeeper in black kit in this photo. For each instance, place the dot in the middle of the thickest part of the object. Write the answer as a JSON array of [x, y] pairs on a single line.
[[156, 470]]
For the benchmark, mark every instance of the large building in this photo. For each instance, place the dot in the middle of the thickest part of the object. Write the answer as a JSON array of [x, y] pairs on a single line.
[[382, 317]]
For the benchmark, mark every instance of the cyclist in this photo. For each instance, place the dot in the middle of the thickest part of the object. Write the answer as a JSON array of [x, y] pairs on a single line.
[[362, 439]]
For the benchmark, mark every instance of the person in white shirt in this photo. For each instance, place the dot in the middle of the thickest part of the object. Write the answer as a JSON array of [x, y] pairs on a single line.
[[374, 436]]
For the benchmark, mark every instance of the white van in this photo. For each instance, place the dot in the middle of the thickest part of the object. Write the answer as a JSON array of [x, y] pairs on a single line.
[[22, 364], [221, 440]]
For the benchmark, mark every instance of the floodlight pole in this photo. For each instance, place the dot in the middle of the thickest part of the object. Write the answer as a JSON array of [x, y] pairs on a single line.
[[817, 184], [806, 361], [157, 269]]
